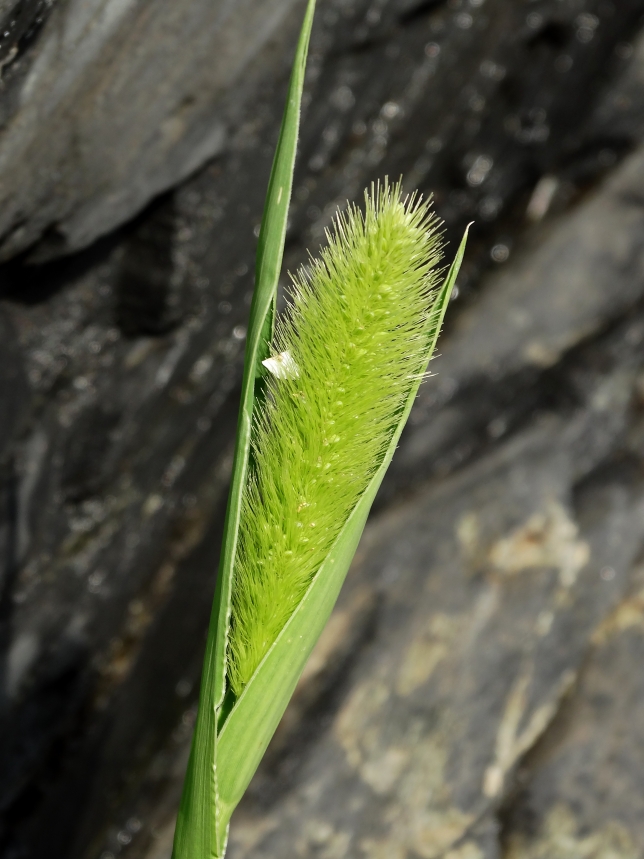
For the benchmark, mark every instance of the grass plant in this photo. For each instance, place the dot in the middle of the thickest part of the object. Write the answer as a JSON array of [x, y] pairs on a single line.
[[326, 392]]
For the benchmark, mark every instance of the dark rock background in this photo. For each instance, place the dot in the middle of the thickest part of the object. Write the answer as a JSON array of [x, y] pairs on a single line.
[[478, 692]]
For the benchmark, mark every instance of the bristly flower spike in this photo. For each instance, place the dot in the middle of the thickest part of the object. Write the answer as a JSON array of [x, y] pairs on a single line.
[[344, 359]]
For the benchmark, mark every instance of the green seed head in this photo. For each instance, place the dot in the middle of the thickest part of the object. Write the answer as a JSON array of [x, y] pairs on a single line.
[[344, 357]]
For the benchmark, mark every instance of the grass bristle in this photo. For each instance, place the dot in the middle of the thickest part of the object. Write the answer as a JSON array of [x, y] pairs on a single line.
[[357, 332]]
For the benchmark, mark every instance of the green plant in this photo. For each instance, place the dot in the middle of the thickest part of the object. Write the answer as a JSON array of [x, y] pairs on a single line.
[[325, 395]]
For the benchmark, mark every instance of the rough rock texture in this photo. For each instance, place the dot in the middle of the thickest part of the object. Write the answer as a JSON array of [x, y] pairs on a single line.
[[114, 104], [477, 691]]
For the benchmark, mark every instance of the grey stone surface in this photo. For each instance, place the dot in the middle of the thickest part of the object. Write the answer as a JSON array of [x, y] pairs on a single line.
[[133, 101], [497, 586], [582, 785]]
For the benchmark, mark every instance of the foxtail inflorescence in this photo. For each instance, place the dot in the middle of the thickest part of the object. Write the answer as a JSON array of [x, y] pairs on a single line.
[[343, 361]]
